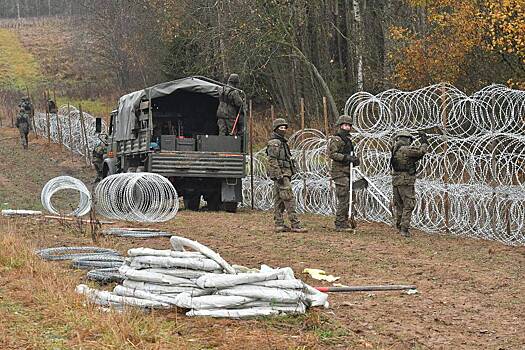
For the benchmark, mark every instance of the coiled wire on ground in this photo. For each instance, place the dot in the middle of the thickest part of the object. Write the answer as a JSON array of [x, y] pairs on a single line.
[[471, 182], [105, 275], [66, 183], [70, 253], [97, 261], [140, 197]]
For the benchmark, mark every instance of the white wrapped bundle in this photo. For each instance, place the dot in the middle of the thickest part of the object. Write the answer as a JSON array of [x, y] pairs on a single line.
[[164, 252], [178, 243], [160, 289], [108, 298], [182, 273], [282, 284], [225, 280], [188, 301], [167, 262], [152, 277], [136, 293], [265, 293], [234, 313]]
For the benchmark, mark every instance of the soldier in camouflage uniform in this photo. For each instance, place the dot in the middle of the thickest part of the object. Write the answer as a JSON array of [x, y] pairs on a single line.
[[22, 123], [280, 169], [98, 160], [341, 151], [231, 105], [404, 161], [51, 106]]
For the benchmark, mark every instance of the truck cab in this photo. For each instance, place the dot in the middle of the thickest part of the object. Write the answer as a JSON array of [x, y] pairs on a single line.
[[171, 129]]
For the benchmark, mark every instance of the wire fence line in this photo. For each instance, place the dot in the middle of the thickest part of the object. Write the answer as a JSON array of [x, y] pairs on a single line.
[[75, 130], [471, 183]]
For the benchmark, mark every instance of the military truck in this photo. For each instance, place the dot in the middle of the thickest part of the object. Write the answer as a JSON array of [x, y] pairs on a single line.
[[171, 129]]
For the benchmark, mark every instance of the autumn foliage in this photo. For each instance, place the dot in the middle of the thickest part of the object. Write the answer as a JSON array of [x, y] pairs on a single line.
[[457, 37]]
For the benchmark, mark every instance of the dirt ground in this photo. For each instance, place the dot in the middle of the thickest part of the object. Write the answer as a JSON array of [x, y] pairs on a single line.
[[471, 293]]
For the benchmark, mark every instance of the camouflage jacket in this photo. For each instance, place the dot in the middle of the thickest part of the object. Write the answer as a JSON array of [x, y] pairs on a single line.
[[22, 121], [230, 102], [98, 153], [404, 161], [340, 146], [280, 162]]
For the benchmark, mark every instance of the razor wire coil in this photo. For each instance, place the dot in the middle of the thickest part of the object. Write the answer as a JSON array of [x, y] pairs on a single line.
[[66, 183], [471, 182], [140, 197]]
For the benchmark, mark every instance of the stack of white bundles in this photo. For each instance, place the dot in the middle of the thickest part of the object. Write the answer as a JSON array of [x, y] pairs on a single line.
[[201, 281]]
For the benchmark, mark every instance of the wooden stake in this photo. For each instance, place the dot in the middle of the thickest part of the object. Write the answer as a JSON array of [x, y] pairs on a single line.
[[70, 132], [272, 113], [84, 134], [325, 115], [303, 152], [48, 122], [251, 154]]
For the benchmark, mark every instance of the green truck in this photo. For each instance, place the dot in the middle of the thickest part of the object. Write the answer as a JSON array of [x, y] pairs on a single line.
[[171, 129]]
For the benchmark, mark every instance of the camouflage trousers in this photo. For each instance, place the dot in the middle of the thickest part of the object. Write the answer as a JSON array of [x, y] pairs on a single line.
[[23, 137], [404, 203], [283, 200], [342, 192], [226, 126], [98, 167]]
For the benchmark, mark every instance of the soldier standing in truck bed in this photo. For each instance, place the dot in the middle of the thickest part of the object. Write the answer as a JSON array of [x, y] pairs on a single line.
[[231, 107]]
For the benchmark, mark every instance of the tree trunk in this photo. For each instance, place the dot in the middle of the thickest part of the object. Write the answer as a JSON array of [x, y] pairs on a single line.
[[358, 50]]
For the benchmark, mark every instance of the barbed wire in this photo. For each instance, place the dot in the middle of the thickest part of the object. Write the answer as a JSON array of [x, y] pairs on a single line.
[[65, 127], [142, 197], [471, 182]]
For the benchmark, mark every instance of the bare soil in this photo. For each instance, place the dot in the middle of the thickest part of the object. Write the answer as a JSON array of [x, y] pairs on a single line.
[[470, 292]]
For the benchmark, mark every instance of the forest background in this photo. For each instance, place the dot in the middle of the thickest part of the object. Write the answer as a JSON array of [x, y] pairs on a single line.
[[283, 50]]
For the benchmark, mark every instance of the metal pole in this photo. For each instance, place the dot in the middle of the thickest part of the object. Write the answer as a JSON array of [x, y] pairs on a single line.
[[48, 122], [83, 129], [251, 155], [365, 288]]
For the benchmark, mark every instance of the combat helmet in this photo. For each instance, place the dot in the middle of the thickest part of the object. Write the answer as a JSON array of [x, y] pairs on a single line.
[[279, 122], [234, 80], [344, 119], [404, 133]]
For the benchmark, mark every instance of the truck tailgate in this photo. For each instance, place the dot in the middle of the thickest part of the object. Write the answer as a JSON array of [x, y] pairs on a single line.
[[198, 164]]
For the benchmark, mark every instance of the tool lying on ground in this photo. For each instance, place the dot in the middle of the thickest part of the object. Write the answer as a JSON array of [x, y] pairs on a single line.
[[365, 288]]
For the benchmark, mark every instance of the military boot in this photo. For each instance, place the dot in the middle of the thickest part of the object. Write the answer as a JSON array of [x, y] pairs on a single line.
[[282, 228], [405, 233]]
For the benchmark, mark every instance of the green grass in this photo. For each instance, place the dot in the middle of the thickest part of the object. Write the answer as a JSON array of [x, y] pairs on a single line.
[[18, 67]]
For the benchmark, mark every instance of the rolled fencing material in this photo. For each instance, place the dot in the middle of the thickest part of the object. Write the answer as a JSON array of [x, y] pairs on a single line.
[[66, 183], [139, 197], [135, 233], [70, 253], [470, 183]]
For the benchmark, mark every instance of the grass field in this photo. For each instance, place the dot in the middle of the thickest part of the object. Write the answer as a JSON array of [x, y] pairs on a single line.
[[471, 293]]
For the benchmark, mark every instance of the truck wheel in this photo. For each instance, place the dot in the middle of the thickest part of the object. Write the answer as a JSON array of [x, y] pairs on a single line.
[[192, 202], [230, 207]]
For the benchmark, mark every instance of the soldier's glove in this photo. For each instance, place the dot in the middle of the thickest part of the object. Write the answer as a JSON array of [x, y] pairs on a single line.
[[355, 161], [346, 159], [423, 137]]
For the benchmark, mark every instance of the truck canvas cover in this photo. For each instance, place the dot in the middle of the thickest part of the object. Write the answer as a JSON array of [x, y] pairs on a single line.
[[128, 108]]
